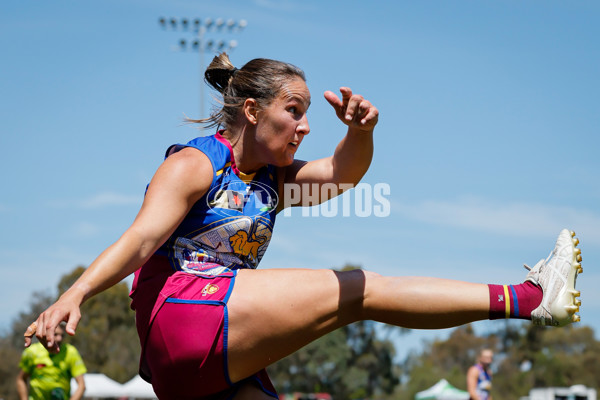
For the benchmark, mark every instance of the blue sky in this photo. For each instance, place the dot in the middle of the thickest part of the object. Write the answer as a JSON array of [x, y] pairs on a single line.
[[488, 134]]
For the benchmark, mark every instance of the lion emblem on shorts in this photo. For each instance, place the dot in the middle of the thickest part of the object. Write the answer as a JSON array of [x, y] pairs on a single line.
[[210, 289]]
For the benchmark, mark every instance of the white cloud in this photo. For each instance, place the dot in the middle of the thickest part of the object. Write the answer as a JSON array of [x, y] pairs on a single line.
[[515, 219]]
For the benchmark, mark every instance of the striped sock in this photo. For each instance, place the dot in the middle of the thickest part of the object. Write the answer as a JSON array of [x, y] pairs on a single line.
[[514, 301]]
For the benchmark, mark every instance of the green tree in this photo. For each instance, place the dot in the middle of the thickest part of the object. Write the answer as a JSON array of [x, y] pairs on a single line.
[[444, 359], [544, 357], [526, 357], [318, 367], [106, 336], [11, 344], [349, 363], [10, 356], [517, 345]]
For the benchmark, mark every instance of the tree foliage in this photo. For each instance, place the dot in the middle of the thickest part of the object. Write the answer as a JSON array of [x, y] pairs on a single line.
[[10, 356], [349, 363], [11, 344], [106, 336], [526, 357], [544, 357], [448, 359]]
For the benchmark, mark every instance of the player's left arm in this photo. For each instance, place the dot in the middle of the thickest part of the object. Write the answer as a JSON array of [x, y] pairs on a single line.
[[78, 394], [21, 383], [350, 160]]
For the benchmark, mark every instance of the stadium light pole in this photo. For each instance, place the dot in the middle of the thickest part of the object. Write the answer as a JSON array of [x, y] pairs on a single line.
[[204, 36]]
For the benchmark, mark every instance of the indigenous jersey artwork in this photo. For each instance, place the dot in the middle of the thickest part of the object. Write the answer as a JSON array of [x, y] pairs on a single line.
[[230, 226]]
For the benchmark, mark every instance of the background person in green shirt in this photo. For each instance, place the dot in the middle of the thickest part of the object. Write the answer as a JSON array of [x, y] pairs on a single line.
[[50, 374]]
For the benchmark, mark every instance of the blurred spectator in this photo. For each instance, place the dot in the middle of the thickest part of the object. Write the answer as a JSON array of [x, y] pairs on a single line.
[[49, 373], [479, 376]]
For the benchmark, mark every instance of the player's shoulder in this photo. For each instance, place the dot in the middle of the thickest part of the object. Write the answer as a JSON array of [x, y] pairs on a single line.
[[71, 352], [473, 369], [69, 348], [35, 350]]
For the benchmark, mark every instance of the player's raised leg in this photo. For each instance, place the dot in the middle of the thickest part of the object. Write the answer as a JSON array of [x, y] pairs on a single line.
[[273, 313]]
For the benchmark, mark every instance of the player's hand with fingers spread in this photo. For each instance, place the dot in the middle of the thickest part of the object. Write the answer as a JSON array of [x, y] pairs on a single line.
[[65, 309], [353, 110]]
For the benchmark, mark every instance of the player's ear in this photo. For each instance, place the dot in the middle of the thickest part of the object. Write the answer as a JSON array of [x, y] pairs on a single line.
[[250, 108]]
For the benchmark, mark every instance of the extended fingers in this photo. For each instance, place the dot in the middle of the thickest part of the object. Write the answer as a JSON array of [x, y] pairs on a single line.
[[31, 329], [39, 330], [65, 309], [45, 330], [355, 105], [341, 105], [333, 100], [346, 94], [361, 112], [370, 114], [352, 108], [73, 321]]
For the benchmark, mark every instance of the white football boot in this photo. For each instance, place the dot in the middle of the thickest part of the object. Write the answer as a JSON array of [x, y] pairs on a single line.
[[556, 275]]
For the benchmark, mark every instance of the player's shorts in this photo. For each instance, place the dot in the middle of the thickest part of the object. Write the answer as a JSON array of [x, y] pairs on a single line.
[[185, 351]]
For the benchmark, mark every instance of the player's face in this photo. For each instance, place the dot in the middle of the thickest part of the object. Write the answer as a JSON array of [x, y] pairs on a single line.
[[58, 335], [282, 125], [486, 358]]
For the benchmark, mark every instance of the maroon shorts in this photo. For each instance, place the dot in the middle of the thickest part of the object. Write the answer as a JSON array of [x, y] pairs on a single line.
[[185, 351]]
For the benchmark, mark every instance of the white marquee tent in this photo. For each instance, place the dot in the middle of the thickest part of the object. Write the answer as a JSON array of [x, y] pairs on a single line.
[[137, 388], [99, 386], [442, 390]]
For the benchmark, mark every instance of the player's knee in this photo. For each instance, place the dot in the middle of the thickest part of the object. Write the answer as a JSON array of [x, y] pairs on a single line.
[[353, 292]]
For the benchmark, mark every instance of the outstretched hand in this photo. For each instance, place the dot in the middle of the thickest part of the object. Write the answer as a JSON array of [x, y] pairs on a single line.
[[65, 309], [353, 110]]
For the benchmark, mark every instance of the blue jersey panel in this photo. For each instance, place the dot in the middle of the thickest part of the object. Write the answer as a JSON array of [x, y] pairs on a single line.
[[230, 226]]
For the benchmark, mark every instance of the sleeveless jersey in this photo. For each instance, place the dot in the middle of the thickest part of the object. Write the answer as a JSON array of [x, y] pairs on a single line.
[[230, 226], [484, 383]]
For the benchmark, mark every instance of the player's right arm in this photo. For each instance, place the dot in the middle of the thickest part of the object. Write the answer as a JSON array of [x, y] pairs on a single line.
[[179, 182], [472, 375]]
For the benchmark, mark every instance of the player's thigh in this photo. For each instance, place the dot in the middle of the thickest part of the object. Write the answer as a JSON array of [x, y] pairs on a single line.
[[274, 312]]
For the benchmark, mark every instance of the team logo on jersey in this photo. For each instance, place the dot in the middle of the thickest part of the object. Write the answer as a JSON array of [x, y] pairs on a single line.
[[255, 197], [210, 289], [228, 199]]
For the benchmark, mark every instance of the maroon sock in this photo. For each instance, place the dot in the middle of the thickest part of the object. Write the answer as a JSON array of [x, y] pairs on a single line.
[[514, 301]]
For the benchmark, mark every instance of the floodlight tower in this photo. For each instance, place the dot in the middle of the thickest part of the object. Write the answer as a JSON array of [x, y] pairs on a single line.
[[203, 33]]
